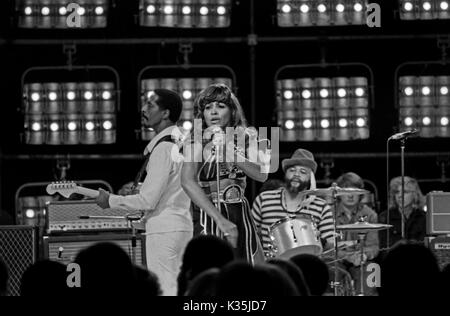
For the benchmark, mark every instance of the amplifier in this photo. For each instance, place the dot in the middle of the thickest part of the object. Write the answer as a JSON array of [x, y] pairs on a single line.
[[438, 213], [64, 249], [440, 246], [64, 217], [18, 249]]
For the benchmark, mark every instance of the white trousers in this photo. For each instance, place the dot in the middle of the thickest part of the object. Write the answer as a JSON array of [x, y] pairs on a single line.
[[164, 254]]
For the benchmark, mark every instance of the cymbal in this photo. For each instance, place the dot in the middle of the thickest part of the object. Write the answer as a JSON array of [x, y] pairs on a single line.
[[363, 226], [335, 190]]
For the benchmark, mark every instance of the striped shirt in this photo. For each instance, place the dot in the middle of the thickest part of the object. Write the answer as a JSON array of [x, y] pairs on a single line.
[[268, 208]]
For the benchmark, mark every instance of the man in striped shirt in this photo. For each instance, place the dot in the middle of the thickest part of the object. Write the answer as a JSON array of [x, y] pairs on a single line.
[[289, 201]]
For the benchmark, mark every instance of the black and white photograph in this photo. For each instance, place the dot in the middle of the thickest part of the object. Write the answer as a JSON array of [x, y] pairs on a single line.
[[218, 149]]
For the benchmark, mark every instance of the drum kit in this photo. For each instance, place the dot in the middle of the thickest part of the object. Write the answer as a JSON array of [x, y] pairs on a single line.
[[299, 235]]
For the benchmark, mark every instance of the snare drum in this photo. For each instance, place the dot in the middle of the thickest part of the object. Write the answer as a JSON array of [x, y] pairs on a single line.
[[293, 236]]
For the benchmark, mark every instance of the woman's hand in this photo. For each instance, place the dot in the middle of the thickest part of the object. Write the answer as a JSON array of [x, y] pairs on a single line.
[[264, 160], [229, 230]]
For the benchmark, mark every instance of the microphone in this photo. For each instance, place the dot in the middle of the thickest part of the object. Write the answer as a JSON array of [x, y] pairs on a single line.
[[84, 217], [251, 132], [218, 136], [404, 134]]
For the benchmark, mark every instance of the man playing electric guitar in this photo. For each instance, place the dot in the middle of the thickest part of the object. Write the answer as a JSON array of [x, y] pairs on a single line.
[[168, 221]]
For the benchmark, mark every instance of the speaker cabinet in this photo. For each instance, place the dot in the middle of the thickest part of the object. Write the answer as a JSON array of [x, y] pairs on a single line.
[[440, 246], [65, 248], [438, 213], [18, 249]]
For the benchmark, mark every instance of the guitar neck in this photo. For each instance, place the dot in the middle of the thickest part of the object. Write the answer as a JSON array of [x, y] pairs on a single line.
[[87, 192]]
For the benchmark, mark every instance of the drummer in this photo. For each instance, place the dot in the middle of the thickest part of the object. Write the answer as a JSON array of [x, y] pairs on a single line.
[[350, 210], [289, 201]]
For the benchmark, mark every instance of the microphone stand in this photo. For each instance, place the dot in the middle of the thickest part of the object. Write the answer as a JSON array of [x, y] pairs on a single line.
[[218, 142], [402, 137], [402, 150], [336, 284]]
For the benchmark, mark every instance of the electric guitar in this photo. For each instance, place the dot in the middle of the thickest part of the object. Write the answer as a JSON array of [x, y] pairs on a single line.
[[68, 188]]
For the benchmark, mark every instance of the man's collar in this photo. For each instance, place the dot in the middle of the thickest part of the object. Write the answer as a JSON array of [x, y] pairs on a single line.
[[170, 130], [306, 200]]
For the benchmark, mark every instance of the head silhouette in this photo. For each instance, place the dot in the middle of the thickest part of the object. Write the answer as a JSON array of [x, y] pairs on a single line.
[[203, 252], [409, 269], [241, 279], [315, 272], [204, 284], [294, 273], [147, 283], [45, 277], [105, 268]]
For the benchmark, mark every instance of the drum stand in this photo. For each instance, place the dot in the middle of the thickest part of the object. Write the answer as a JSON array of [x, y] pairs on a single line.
[[361, 237], [335, 284]]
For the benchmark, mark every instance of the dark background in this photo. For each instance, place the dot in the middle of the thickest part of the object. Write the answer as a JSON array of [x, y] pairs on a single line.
[[129, 48]]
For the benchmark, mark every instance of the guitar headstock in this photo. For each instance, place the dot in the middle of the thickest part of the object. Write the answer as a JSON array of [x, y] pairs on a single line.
[[66, 189]]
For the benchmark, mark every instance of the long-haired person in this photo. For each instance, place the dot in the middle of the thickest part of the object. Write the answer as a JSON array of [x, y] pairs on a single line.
[[219, 109], [413, 213]]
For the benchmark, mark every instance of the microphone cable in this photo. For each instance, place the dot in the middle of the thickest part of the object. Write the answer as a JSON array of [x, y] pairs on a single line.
[[387, 192]]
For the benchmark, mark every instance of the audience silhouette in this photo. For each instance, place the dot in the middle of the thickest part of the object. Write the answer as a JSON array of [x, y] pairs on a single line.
[[241, 279], [106, 269], [294, 273], [409, 269], [45, 278], [315, 272], [202, 253]]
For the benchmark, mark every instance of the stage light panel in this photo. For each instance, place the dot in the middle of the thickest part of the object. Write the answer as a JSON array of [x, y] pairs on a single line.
[[323, 109], [185, 13], [58, 14], [424, 9], [60, 114], [306, 13], [424, 104]]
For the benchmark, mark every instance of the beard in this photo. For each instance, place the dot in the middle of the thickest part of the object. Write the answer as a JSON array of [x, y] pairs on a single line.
[[296, 187]]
